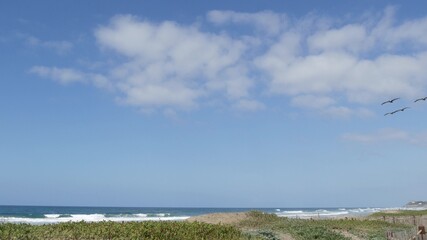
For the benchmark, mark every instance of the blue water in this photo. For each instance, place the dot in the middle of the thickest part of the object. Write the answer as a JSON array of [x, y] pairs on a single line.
[[40, 211], [51, 214]]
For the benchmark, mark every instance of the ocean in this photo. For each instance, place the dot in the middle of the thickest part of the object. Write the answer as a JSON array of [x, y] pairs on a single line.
[[50, 214]]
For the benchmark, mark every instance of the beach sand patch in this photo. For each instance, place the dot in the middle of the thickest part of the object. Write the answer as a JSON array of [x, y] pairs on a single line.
[[220, 218]]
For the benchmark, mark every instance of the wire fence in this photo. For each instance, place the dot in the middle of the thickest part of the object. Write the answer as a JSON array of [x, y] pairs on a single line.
[[416, 233]]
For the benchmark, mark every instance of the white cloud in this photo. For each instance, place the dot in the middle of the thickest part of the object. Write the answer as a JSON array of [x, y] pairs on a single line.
[[173, 65], [349, 61], [351, 37], [360, 80], [331, 66], [265, 21], [412, 31]]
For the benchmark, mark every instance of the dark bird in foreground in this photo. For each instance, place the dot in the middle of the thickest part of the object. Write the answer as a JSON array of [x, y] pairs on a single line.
[[398, 110], [419, 99], [390, 101], [402, 109]]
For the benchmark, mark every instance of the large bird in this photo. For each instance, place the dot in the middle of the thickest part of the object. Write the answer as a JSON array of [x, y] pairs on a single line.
[[390, 101], [398, 110], [402, 109], [419, 99]]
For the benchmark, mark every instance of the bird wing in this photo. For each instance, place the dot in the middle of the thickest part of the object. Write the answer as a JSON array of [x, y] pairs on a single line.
[[390, 101]]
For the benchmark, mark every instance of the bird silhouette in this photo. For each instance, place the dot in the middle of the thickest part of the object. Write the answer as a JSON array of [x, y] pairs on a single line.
[[390, 101], [401, 110], [395, 111], [419, 99]]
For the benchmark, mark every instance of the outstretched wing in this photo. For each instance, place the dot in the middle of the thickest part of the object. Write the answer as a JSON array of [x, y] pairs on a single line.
[[390, 101]]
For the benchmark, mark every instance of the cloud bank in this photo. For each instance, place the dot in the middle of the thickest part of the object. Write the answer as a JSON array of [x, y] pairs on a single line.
[[333, 66]]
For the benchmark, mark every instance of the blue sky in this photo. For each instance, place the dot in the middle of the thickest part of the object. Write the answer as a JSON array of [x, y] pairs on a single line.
[[212, 104]]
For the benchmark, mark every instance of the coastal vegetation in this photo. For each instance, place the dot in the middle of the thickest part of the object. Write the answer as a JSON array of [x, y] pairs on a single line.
[[255, 226], [149, 230], [400, 213], [303, 229]]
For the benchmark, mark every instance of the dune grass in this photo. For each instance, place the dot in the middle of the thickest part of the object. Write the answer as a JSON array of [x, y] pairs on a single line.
[[302, 229], [400, 213], [113, 230]]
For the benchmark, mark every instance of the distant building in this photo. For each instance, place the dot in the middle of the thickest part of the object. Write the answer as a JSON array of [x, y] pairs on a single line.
[[416, 204]]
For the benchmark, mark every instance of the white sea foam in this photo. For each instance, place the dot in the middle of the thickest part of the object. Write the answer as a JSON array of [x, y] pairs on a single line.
[[292, 212], [56, 218], [162, 214], [141, 215], [323, 213]]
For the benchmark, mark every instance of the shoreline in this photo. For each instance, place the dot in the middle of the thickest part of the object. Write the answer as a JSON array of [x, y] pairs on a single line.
[[208, 215], [235, 225]]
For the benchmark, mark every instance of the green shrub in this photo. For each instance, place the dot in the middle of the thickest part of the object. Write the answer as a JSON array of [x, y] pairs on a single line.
[[113, 230]]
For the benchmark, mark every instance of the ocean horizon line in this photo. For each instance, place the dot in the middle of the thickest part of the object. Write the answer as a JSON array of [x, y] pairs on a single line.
[[196, 207]]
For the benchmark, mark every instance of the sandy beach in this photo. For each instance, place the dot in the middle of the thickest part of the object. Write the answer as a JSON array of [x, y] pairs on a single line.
[[232, 218], [220, 218]]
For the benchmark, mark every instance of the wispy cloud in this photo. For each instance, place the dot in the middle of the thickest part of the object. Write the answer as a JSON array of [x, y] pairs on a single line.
[[332, 66], [248, 105], [66, 76], [60, 47], [265, 21], [61, 75], [388, 135]]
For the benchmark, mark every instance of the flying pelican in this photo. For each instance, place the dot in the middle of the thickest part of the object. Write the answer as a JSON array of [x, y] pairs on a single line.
[[401, 110], [391, 113], [390, 101], [398, 110], [419, 99]]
